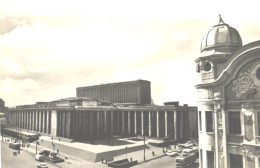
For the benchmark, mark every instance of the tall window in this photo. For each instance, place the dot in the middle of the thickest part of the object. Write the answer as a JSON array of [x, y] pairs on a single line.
[[234, 123], [209, 121], [258, 119], [236, 161], [200, 121], [201, 159], [210, 158]]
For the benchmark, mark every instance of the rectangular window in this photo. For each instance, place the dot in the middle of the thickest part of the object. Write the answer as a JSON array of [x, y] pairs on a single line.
[[210, 158], [258, 119], [201, 159], [200, 121], [234, 123], [209, 121], [236, 161]]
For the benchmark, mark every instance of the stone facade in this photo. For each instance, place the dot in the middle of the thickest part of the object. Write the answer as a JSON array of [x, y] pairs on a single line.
[[90, 123], [229, 91]]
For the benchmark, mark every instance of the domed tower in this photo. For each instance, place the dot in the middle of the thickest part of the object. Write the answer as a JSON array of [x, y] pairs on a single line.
[[216, 46], [220, 40]]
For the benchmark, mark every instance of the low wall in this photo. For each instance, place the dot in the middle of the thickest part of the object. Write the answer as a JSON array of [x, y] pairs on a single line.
[[87, 155]]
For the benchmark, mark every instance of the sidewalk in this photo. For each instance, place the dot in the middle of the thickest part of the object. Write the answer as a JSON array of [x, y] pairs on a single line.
[[70, 163], [139, 155]]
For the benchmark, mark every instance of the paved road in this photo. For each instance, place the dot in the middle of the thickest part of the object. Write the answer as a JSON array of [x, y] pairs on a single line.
[[163, 162], [25, 159]]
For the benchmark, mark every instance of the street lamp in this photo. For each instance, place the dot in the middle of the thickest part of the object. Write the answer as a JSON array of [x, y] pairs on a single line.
[[36, 147], [144, 140]]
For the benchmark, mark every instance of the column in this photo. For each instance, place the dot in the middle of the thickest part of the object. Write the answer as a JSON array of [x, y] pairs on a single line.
[[112, 122], [40, 121], [33, 121], [135, 123], [142, 122], [123, 122], [47, 121], [105, 121], [53, 122], [150, 124], [157, 122], [30, 120], [129, 123], [97, 123], [175, 124], [43, 122], [37, 121], [181, 125], [166, 124], [27, 121], [64, 123]]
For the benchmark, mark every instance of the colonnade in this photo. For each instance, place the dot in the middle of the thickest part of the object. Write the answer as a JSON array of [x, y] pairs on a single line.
[[34, 120], [89, 124]]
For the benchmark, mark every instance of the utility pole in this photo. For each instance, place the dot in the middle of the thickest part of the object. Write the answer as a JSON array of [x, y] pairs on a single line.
[[144, 147], [36, 147]]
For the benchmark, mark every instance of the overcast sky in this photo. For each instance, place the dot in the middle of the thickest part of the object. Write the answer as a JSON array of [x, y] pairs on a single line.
[[48, 48]]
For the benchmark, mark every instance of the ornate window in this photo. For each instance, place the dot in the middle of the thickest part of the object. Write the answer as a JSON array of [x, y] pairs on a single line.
[[234, 123], [207, 67], [210, 157], [209, 121], [200, 125], [236, 161]]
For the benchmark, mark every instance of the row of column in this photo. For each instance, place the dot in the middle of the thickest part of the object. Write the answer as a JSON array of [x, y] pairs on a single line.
[[39, 121], [88, 125]]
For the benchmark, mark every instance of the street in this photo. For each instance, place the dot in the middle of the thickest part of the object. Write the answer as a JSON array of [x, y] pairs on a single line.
[[163, 162], [24, 159]]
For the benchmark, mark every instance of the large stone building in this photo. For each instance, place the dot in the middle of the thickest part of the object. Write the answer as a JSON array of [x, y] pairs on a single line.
[[133, 92], [229, 100], [87, 119]]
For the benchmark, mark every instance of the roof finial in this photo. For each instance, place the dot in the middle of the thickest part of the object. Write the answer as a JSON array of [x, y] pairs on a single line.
[[220, 20]]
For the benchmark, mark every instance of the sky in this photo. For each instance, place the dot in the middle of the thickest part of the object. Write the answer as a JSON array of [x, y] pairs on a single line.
[[49, 48]]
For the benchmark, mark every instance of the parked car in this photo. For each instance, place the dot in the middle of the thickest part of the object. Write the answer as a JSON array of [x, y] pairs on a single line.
[[171, 153], [39, 157], [44, 152], [42, 165]]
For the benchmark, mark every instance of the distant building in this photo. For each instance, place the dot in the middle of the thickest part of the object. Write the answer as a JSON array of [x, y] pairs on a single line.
[[133, 92], [229, 100], [87, 119]]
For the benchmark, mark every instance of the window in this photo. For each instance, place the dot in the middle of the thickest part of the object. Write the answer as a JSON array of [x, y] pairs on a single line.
[[201, 159], [234, 123], [258, 119], [236, 161], [200, 121], [209, 121], [210, 158]]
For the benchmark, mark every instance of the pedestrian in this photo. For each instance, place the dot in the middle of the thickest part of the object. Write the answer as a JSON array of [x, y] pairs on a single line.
[[57, 151], [131, 159], [153, 153]]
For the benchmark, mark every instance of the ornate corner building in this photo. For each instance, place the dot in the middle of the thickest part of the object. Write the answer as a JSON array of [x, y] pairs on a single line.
[[228, 100]]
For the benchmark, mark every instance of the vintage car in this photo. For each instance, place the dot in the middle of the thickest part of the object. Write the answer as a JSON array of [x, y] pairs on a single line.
[[42, 165]]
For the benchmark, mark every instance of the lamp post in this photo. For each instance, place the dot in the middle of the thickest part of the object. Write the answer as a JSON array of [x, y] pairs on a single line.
[[144, 147], [144, 140], [36, 147]]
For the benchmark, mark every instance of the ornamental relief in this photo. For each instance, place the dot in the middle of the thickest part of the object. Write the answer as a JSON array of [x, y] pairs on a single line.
[[243, 84], [248, 82], [205, 93]]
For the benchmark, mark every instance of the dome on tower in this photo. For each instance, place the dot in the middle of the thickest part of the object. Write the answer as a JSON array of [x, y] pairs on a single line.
[[221, 38]]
